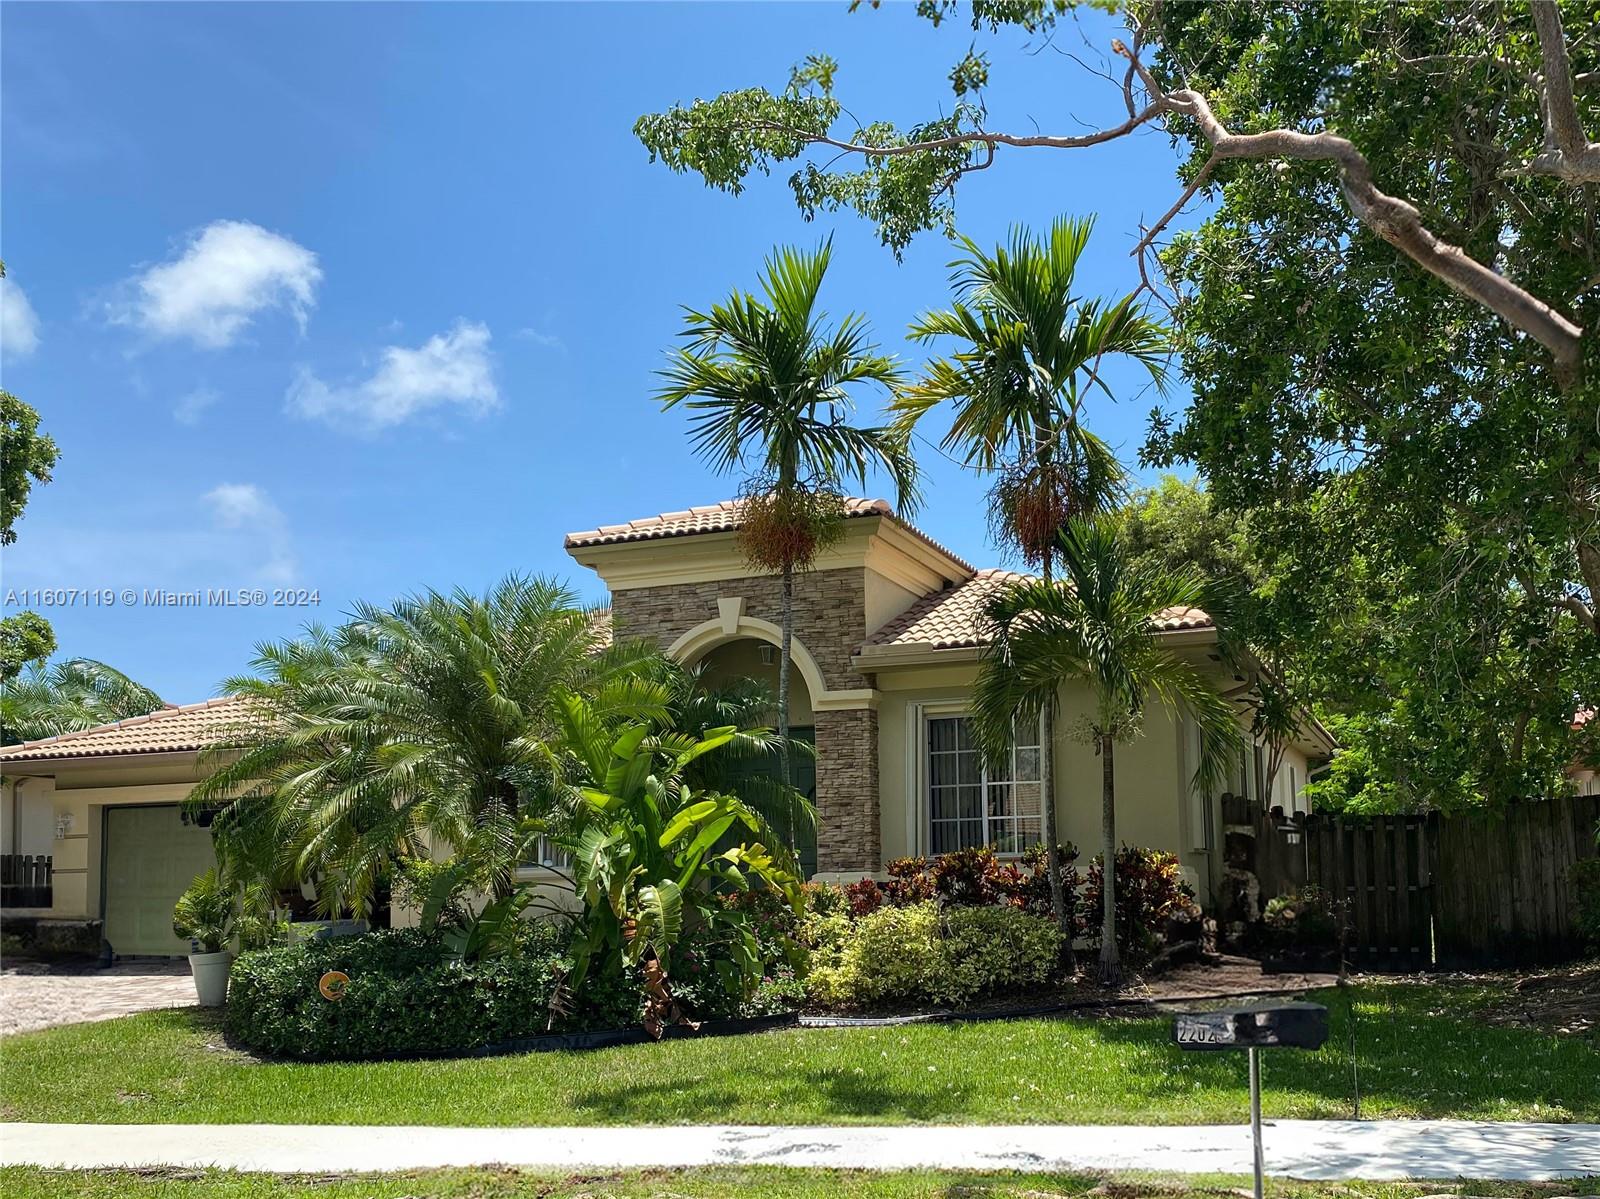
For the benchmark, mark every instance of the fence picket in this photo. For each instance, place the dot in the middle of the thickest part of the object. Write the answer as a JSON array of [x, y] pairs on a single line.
[[1461, 890]]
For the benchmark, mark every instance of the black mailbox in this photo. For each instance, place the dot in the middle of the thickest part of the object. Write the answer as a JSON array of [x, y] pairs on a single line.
[[1257, 1026]]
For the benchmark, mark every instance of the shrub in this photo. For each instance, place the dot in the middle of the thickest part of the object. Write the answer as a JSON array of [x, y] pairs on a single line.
[[919, 954], [865, 897], [407, 996], [978, 878], [1150, 894], [1586, 882], [994, 949]]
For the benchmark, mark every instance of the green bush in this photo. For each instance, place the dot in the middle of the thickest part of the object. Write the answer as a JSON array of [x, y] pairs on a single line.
[[921, 955], [985, 950], [407, 996]]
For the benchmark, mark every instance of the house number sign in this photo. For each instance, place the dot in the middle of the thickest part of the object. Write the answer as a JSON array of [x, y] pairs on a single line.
[[333, 983]]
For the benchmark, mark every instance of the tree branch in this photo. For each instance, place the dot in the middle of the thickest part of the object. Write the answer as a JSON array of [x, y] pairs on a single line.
[[1568, 152], [1392, 219]]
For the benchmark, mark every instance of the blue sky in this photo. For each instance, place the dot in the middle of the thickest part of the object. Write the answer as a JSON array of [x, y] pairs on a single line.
[[368, 298]]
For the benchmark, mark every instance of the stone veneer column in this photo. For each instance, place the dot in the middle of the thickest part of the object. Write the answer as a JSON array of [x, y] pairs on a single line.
[[848, 841]]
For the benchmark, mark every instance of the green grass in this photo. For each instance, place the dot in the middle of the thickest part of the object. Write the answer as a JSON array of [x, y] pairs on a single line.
[[711, 1183], [1420, 1052]]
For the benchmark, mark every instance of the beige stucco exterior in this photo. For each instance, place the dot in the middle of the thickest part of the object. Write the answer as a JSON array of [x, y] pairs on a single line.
[[695, 596], [58, 808], [867, 702]]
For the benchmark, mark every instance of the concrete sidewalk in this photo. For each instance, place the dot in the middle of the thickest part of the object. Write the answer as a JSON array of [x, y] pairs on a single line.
[[1311, 1149]]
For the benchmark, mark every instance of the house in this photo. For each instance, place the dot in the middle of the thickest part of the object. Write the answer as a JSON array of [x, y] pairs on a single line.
[[886, 648], [1585, 777], [104, 805]]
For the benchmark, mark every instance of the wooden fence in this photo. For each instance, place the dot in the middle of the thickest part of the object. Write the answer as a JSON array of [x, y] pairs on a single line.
[[1504, 883], [25, 880], [1461, 891]]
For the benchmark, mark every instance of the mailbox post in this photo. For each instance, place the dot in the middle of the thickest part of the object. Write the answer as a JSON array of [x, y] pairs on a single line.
[[1253, 1028]]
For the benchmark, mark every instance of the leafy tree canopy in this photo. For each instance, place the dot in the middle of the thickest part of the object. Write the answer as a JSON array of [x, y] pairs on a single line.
[[1386, 319]]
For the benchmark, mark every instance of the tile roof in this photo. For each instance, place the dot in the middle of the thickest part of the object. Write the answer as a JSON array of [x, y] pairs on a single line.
[[723, 517], [952, 619], [166, 730]]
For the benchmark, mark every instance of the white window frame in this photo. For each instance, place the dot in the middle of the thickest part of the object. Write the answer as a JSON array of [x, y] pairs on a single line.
[[920, 835]]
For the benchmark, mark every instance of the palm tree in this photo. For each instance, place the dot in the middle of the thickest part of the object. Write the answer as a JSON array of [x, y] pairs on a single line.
[[771, 391], [1098, 624], [68, 697], [1031, 354], [437, 719]]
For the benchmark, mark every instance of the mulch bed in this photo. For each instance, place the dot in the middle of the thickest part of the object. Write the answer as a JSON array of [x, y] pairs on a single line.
[[1564, 1001], [1216, 977]]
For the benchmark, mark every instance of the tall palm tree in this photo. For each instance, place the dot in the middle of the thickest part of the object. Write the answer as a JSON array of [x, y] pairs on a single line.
[[1098, 624], [46, 701], [438, 718], [1031, 354], [771, 389]]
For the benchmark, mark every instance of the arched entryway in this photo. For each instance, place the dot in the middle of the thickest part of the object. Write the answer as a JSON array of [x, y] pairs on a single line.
[[755, 658]]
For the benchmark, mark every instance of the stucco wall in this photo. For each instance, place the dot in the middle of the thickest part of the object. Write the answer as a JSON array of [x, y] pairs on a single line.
[[78, 794], [742, 660], [1156, 806], [1149, 797]]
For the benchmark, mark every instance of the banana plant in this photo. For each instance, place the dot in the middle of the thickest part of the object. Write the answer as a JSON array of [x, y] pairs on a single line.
[[651, 858]]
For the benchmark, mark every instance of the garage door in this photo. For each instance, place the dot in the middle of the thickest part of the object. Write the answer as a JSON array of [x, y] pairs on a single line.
[[151, 858]]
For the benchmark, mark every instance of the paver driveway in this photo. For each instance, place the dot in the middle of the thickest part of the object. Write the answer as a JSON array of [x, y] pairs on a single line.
[[34, 995]]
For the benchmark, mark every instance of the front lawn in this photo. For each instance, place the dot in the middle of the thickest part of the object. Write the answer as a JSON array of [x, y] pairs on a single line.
[[1421, 1050], [724, 1182]]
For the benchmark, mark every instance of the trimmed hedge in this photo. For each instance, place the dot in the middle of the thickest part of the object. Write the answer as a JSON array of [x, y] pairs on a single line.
[[407, 997], [921, 954]]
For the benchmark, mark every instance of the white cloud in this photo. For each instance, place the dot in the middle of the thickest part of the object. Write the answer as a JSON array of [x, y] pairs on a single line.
[[449, 369], [247, 509], [19, 327], [190, 407], [228, 273], [548, 341]]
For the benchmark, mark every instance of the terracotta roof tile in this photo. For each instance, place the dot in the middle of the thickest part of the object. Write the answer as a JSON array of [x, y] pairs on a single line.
[[723, 517], [166, 730], [952, 619]]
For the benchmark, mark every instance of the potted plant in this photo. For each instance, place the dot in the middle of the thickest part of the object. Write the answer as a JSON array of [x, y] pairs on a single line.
[[204, 915], [1301, 932]]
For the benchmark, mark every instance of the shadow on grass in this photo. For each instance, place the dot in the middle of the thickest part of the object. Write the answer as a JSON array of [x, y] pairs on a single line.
[[1418, 1050], [767, 1089]]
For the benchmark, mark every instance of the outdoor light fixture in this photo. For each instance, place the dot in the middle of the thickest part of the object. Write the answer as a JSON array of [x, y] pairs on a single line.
[[769, 654], [63, 825]]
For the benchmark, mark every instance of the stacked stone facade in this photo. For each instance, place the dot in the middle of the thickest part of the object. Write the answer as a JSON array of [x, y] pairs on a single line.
[[830, 620], [848, 840]]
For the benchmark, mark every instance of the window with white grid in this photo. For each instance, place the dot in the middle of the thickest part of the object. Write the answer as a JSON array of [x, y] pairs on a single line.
[[970, 806]]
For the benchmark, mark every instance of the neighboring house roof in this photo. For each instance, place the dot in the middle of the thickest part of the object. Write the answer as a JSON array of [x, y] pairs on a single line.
[[953, 619], [724, 517], [167, 730]]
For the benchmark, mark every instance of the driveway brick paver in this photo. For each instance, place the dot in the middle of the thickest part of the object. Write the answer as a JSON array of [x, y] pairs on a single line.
[[35, 995]]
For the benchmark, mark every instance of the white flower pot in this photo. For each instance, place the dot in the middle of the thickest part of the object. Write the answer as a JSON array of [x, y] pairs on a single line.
[[211, 976]]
